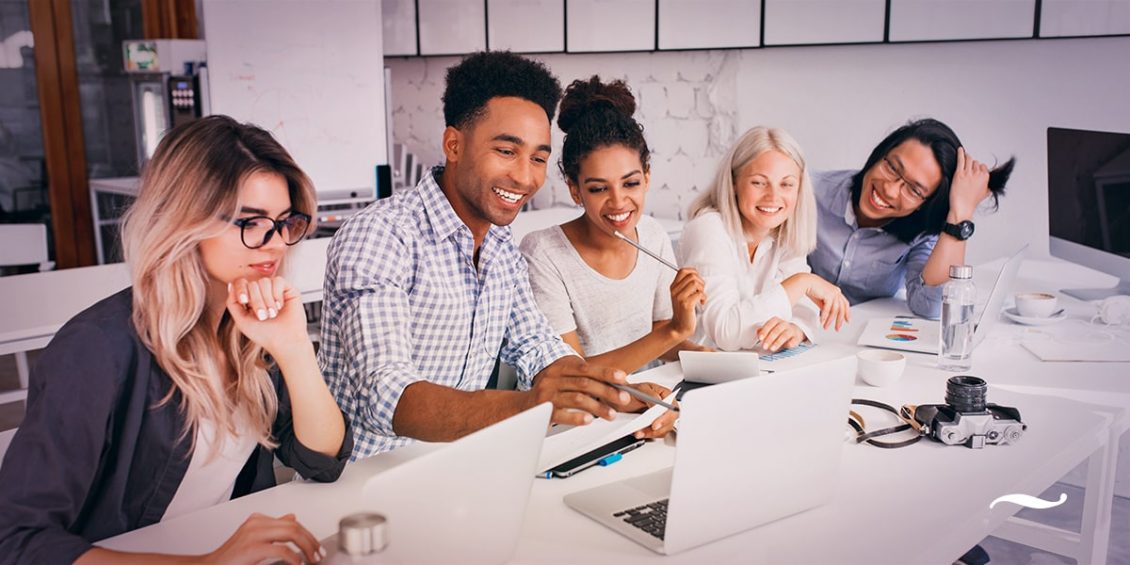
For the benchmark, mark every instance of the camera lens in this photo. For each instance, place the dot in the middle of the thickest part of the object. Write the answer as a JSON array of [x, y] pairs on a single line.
[[966, 393]]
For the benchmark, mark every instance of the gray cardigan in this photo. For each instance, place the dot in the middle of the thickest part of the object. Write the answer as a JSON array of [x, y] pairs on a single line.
[[97, 456]]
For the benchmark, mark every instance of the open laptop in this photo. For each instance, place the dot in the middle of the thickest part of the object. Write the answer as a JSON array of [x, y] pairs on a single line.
[[922, 336], [464, 502], [749, 452], [715, 367]]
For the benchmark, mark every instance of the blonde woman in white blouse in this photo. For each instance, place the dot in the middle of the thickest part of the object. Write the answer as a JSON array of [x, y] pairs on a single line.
[[748, 237]]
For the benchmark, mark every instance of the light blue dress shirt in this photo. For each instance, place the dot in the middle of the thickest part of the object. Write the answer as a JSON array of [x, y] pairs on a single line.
[[404, 303], [867, 263]]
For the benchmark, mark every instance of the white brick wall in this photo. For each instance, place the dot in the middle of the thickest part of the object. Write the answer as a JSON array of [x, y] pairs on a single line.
[[686, 102]]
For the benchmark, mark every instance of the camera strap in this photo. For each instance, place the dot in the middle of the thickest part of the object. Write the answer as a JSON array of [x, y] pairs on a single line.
[[906, 415]]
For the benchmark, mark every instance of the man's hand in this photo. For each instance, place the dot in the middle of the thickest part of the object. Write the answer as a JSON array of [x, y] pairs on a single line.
[[579, 391]]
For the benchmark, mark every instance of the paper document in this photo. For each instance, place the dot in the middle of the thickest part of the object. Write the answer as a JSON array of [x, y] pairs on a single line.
[[578, 440]]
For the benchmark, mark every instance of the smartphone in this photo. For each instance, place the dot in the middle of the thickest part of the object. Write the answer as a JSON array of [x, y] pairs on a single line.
[[582, 462]]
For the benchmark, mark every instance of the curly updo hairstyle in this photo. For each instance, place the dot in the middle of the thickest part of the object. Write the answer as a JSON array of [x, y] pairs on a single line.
[[481, 76], [595, 114]]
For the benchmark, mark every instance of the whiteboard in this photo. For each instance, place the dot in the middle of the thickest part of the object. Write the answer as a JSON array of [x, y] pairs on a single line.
[[1065, 18], [320, 93], [452, 27], [709, 24], [526, 26], [805, 22], [918, 20], [610, 25]]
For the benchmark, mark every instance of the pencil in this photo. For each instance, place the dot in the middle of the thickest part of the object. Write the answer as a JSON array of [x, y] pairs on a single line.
[[645, 250], [644, 396]]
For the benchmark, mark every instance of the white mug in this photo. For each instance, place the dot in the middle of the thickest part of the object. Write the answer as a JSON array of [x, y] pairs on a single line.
[[1035, 304], [880, 367]]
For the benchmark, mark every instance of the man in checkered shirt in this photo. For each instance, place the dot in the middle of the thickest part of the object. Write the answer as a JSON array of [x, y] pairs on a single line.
[[426, 289]]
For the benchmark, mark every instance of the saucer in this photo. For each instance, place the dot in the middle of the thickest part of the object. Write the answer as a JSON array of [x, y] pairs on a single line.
[[1015, 316]]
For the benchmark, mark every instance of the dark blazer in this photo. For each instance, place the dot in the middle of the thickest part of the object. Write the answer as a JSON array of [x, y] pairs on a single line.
[[97, 456]]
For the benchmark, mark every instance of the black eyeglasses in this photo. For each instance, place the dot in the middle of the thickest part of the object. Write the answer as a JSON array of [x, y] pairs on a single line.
[[912, 190], [256, 231]]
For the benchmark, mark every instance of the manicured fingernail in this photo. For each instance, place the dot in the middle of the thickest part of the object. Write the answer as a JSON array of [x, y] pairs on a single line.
[[322, 550], [588, 418], [229, 287], [611, 414], [655, 426], [272, 312], [243, 299], [279, 305], [621, 376], [262, 314]]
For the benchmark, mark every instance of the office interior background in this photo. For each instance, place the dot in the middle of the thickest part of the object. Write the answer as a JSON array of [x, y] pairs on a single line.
[[837, 74]]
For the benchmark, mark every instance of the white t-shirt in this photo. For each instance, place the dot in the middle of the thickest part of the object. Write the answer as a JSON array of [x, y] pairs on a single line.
[[606, 313], [210, 477], [741, 294]]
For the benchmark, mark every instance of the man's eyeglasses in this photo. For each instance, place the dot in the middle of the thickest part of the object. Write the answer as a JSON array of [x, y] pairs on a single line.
[[912, 190], [256, 231]]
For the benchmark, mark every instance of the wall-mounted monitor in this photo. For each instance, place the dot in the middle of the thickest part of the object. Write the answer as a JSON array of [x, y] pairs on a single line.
[[1089, 203]]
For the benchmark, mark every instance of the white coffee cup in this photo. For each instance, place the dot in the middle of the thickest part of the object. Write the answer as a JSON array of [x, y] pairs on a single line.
[[880, 367], [1035, 304]]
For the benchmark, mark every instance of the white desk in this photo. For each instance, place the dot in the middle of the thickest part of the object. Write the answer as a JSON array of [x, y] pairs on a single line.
[[925, 503], [36, 305], [947, 488]]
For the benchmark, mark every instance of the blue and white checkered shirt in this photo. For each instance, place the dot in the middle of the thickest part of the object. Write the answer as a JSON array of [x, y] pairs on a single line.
[[404, 303]]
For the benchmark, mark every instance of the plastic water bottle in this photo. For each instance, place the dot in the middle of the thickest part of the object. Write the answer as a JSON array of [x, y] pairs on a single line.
[[958, 297]]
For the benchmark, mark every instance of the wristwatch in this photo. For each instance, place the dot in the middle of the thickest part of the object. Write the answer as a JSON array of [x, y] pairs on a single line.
[[962, 230]]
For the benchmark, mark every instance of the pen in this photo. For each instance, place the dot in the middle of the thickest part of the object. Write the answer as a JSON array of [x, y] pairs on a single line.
[[645, 250], [644, 396]]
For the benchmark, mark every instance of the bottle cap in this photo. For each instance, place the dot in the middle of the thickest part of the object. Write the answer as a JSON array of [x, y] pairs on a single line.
[[362, 533], [961, 272]]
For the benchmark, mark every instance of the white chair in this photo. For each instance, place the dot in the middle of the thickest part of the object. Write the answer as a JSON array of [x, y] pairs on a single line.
[[5, 441], [24, 244]]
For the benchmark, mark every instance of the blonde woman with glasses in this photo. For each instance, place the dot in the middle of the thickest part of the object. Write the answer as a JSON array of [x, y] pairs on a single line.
[[905, 217], [748, 236], [176, 394]]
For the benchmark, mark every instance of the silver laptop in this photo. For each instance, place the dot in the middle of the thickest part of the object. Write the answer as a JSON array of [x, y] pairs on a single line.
[[714, 367], [917, 335], [748, 452], [464, 502]]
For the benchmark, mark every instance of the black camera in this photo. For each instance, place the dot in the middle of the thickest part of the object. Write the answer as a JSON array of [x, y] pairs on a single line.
[[966, 419]]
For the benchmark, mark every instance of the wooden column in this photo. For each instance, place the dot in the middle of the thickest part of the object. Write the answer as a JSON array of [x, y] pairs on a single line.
[[60, 115]]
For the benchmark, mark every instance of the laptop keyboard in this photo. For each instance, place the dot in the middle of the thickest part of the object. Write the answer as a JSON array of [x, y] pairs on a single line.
[[651, 518]]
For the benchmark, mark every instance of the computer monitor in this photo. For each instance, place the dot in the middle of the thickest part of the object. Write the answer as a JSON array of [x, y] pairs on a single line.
[[1089, 204]]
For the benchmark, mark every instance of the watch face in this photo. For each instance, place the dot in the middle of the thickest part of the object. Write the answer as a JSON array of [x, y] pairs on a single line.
[[961, 230], [966, 229]]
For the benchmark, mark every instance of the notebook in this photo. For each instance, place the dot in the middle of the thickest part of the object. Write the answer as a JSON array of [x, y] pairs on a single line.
[[463, 503], [907, 333], [720, 483]]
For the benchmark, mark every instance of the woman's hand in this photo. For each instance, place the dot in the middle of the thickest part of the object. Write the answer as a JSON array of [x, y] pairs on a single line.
[[269, 312], [776, 333], [264, 539], [834, 306], [969, 187], [663, 424], [687, 291]]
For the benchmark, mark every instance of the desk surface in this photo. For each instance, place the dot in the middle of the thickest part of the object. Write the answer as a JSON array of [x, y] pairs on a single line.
[[36, 305], [925, 503], [948, 489]]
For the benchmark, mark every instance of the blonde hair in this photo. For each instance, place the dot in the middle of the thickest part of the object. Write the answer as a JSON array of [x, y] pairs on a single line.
[[187, 190], [797, 235]]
